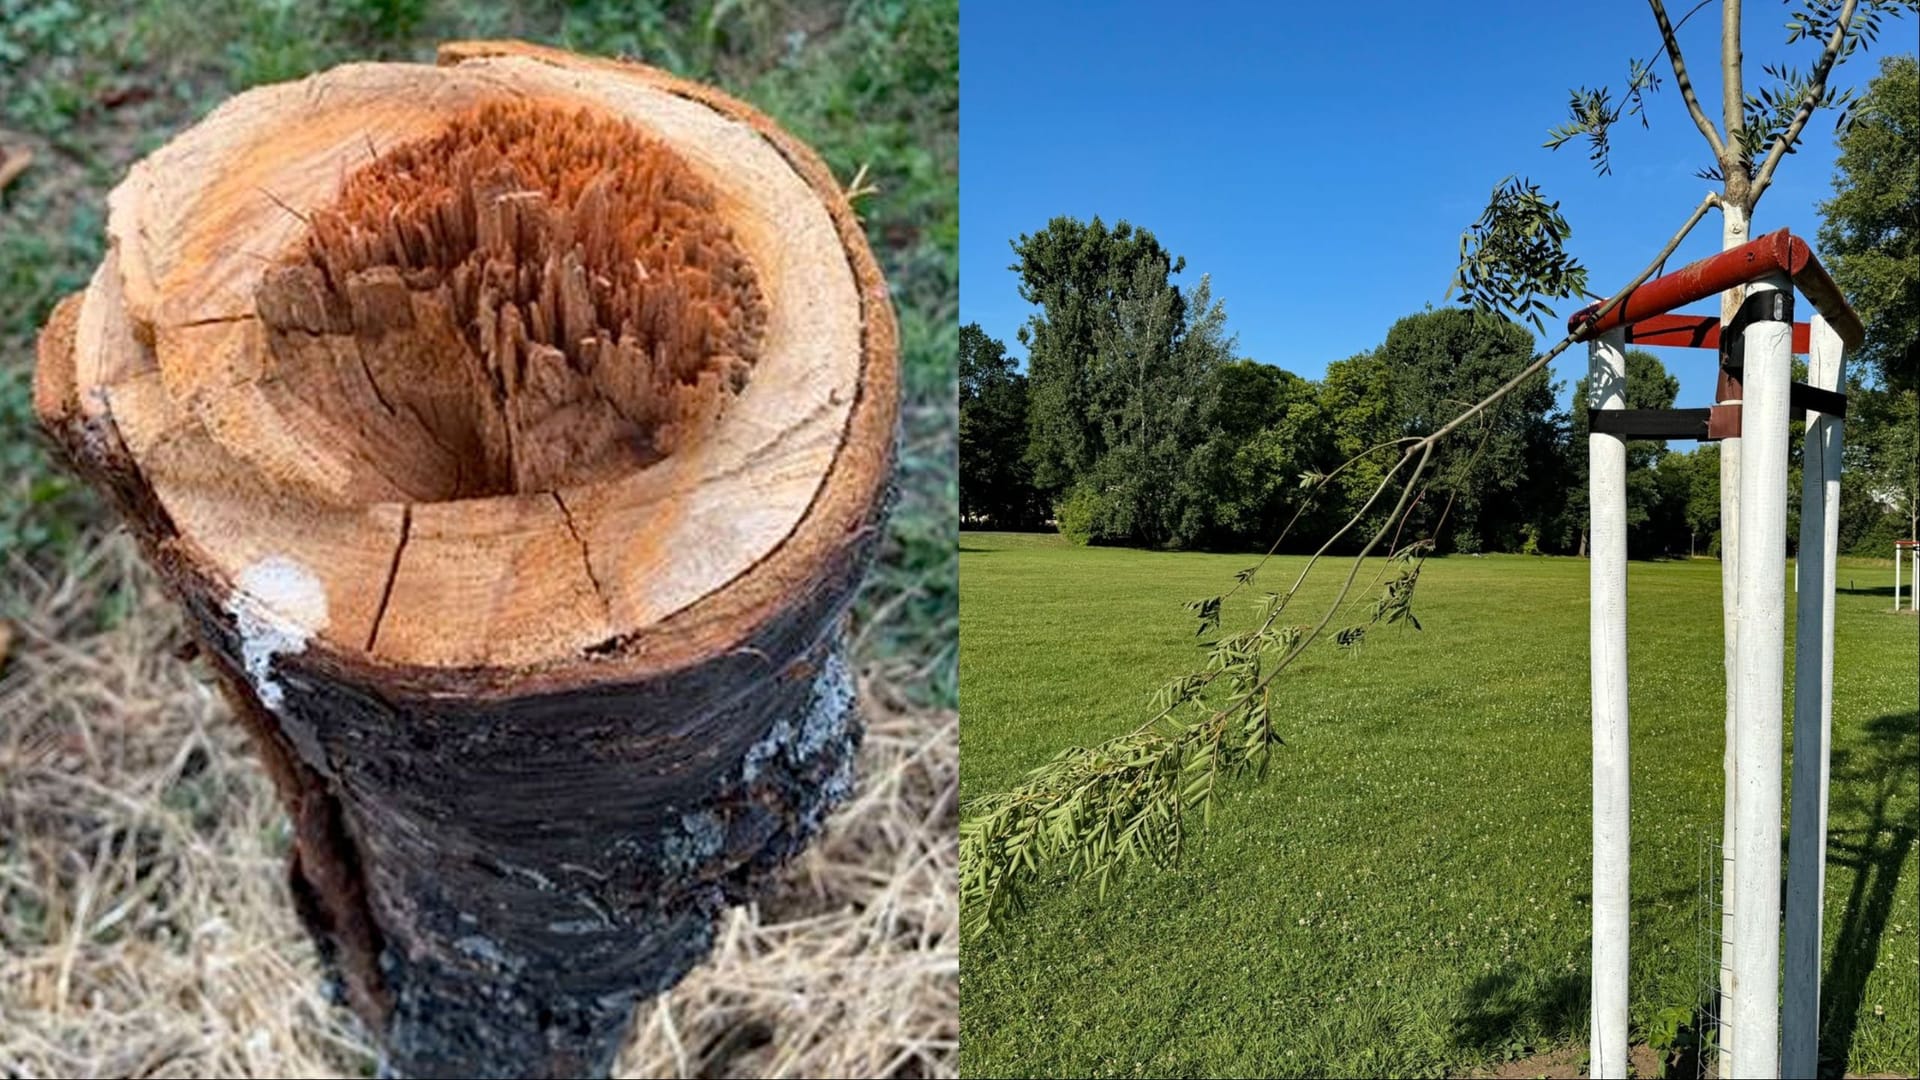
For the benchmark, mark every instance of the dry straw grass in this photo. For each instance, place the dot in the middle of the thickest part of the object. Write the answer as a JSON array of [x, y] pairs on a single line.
[[145, 928]]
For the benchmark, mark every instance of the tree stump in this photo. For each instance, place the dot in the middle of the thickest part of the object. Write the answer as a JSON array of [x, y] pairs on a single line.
[[514, 432]]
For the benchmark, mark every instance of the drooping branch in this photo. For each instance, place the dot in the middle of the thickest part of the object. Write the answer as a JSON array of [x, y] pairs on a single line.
[[1680, 78], [1809, 101], [1516, 254], [1091, 811], [1666, 252], [1192, 689], [1425, 446], [1320, 483]]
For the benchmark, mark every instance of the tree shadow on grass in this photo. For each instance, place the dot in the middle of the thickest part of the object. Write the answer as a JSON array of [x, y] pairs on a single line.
[[1506, 1019], [1871, 784], [1644, 898], [1868, 782]]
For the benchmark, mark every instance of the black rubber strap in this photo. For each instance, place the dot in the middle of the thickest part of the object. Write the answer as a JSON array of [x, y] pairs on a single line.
[[1649, 423], [1804, 399], [1692, 423], [1768, 305]]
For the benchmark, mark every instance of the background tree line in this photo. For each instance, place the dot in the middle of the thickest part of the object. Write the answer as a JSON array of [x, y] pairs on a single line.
[[1135, 421]]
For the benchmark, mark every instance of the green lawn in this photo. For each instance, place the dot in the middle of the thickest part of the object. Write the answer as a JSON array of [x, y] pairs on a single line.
[[1407, 892]]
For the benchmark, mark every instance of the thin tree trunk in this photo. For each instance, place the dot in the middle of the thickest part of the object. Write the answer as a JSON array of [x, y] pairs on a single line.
[[514, 433]]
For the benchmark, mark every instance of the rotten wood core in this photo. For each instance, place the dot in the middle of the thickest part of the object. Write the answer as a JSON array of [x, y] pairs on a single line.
[[515, 433], [529, 298]]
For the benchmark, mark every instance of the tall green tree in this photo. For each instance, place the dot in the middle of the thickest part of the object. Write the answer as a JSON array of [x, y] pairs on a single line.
[[1266, 431], [1883, 454], [1190, 400], [1438, 362], [996, 482], [1127, 488], [1649, 386], [1871, 237], [1356, 398], [1703, 499], [1155, 398], [1080, 275], [1870, 232], [1120, 372]]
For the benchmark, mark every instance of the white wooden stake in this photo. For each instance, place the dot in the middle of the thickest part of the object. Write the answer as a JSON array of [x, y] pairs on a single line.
[[1812, 713], [1730, 817], [1766, 375], [1896, 578], [1734, 228], [1607, 508]]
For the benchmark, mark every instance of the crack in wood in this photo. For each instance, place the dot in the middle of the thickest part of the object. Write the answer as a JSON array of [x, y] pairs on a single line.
[[586, 557], [393, 573], [210, 320]]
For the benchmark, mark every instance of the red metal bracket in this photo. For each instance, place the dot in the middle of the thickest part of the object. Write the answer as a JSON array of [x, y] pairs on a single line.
[[1777, 252], [1698, 332]]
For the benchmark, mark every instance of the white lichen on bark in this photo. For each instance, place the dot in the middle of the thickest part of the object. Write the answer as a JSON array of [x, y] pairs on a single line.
[[827, 715], [277, 607]]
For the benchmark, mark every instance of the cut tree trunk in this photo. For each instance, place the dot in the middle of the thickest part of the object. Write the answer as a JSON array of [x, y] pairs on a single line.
[[514, 432]]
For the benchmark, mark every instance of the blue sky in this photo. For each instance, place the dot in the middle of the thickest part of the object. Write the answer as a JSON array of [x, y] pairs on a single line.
[[1322, 169]]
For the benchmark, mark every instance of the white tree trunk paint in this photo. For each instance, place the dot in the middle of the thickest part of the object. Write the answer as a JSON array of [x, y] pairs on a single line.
[[1766, 374], [1733, 233], [1607, 508], [1812, 713]]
